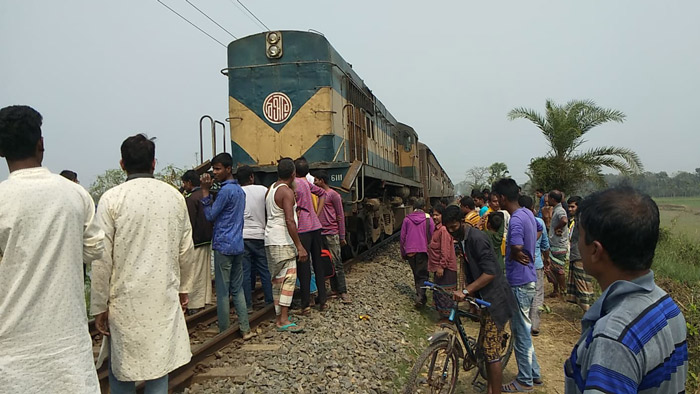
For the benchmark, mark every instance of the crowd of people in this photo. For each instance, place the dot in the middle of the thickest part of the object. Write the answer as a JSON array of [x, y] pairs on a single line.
[[498, 245], [150, 249]]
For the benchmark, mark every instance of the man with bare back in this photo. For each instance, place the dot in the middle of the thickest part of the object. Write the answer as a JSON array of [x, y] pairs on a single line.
[[282, 244]]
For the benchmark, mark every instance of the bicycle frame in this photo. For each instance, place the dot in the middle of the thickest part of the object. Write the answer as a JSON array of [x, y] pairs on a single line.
[[455, 318]]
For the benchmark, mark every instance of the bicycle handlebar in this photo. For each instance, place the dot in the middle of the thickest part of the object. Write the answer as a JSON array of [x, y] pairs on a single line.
[[478, 301]]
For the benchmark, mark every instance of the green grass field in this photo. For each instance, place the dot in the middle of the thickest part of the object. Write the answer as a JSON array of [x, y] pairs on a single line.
[[681, 216], [678, 254], [677, 267], [690, 202]]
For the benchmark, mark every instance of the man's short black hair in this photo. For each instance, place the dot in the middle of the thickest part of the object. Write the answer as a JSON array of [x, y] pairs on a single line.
[[138, 153], [526, 201], [302, 167], [495, 220], [507, 188], [224, 159], [477, 194], [322, 175], [243, 174], [468, 202], [20, 131], [418, 203], [556, 195], [70, 175], [574, 200], [192, 177], [626, 222], [540, 190], [439, 208], [445, 201], [285, 168], [451, 214]]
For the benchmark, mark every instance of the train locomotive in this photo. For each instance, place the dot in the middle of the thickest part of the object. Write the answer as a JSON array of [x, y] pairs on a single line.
[[291, 94]]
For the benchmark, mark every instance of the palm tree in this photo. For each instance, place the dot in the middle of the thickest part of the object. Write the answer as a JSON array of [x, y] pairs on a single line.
[[565, 167]]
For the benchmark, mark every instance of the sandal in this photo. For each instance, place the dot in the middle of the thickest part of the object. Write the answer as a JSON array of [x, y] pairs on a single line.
[[516, 387], [304, 312], [537, 382], [291, 327]]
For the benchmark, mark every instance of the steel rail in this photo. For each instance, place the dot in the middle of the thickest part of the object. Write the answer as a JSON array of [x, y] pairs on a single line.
[[181, 377]]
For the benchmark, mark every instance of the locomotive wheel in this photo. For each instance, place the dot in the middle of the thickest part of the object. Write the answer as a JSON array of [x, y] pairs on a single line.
[[358, 239], [351, 248]]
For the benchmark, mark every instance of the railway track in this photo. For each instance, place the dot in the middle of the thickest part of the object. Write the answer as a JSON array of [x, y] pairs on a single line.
[[180, 378]]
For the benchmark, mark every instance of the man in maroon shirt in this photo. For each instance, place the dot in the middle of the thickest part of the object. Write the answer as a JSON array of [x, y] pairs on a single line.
[[310, 235], [332, 219]]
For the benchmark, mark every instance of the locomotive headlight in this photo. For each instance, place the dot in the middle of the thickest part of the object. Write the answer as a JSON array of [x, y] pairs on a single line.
[[273, 45]]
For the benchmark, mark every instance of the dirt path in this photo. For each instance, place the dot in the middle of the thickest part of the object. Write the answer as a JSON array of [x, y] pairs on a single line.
[[340, 352], [559, 331]]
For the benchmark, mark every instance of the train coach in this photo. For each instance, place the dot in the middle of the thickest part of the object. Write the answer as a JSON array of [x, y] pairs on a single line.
[[291, 94]]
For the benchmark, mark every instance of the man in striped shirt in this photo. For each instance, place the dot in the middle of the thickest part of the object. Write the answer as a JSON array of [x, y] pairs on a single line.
[[634, 336], [471, 214]]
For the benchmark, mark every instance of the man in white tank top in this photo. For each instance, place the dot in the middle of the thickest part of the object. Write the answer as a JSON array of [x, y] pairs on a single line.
[[282, 244]]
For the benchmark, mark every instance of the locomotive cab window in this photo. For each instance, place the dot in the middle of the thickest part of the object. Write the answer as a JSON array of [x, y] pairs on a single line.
[[408, 143]]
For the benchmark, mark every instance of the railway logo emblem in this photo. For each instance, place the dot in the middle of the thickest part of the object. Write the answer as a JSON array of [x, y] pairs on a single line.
[[277, 107]]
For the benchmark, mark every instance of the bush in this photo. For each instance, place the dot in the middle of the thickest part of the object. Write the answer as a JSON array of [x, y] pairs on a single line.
[[677, 269], [677, 257]]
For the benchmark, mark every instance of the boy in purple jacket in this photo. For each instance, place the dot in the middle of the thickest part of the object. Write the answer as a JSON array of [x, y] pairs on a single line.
[[416, 232]]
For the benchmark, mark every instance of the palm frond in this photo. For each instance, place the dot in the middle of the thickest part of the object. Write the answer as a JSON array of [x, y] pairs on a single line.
[[593, 115], [622, 159], [529, 114]]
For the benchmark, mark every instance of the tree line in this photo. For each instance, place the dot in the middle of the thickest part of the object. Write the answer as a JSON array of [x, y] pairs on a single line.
[[660, 184]]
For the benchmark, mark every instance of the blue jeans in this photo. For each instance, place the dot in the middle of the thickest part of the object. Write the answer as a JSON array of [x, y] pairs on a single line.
[[255, 262], [528, 368], [228, 278], [155, 386]]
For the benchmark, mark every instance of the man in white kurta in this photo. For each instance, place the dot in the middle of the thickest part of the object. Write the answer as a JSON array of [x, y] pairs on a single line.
[[144, 269], [45, 236]]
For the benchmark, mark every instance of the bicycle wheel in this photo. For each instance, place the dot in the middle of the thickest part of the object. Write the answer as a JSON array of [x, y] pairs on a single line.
[[427, 375], [507, 343], [506, 351]]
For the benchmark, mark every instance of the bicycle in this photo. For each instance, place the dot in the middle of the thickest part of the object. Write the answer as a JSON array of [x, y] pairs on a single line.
[[441, 357]]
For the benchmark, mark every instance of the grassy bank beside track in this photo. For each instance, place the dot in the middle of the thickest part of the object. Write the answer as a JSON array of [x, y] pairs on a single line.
[[677, 269]]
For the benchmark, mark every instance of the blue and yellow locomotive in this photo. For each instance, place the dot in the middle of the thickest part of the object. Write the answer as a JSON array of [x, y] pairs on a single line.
[[291, 94]]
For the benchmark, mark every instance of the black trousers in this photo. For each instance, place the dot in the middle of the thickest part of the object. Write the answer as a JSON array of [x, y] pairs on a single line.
[[419, 266], [312, 242]]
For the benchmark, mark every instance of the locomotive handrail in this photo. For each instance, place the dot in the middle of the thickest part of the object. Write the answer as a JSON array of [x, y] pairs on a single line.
[[201, 137], [345, 133], [223, 137], [213, 124]]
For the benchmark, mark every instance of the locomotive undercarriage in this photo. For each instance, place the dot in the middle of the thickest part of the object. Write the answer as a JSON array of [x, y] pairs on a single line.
[[378, 215]]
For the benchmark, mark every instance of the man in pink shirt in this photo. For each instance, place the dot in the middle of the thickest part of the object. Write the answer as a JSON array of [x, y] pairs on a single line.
[[309, 228], [332, 219]]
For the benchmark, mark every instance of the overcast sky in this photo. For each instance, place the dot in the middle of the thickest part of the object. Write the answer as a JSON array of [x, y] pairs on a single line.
[[99, 71]]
